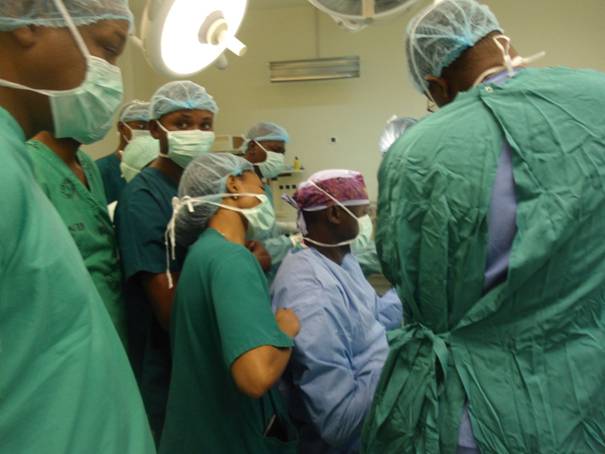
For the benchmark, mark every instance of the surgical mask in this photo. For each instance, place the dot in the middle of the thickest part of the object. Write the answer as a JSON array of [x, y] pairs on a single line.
[[185, 146], [273, 165], [83, 113], [261, 219], [366, 232], [128, 172], [365, 227]]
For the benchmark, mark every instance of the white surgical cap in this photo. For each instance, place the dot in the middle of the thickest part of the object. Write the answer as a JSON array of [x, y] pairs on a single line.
[[135, 111], [21, 13], [394, 129], [438, 35], [206, 176], [267, 131], [181, 95]]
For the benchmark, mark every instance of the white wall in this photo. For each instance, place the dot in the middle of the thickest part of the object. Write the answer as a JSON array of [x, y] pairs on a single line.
[[354, 111]]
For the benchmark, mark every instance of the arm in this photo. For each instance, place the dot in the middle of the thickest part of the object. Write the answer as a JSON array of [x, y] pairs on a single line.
[[159, 295], [390, 310], [257, 370]]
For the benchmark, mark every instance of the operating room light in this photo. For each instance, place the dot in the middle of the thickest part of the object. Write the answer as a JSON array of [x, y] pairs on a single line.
[[182, 37]]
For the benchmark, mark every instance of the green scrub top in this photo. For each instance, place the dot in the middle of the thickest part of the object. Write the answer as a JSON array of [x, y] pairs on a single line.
[[65, 382], [109, 166], [84, 211], [222, 310], [528, 355], [142, 214]]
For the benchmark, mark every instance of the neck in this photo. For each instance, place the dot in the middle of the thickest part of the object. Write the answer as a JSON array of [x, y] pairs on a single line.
[[168, 168], [229, 224], [13, 101], [336, 254], [66, 149]]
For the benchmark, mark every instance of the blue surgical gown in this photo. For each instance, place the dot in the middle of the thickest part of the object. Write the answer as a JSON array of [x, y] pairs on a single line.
[[340, 350]]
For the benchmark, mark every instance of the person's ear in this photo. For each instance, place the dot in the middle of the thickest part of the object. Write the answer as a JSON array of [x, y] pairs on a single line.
[[439, 90], [123, 130], [155, 130], [234, 185], [334, 214], [26, 37]]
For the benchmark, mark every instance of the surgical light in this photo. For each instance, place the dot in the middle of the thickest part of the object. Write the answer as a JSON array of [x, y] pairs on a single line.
[[182, 37]]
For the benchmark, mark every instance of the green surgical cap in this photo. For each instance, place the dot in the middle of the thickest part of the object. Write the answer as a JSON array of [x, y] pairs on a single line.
[[181, 95], [438, 35], [21, 13]]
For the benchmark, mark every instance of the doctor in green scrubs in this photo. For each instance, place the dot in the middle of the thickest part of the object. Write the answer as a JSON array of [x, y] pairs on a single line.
[[71, 181], [491, 216], [183, 118], [65, 381], [134, 122], [228, 348]]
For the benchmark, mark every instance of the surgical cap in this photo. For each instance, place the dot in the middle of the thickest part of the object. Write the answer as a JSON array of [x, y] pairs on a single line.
[[346, 186], [438, 35], [206, 176], [181, 95], [141, 151], [395, 127], [135, 111], [268, 131], [21, 13]]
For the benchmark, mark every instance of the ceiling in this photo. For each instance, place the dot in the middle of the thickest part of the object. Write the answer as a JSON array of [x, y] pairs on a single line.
[[264, 4]]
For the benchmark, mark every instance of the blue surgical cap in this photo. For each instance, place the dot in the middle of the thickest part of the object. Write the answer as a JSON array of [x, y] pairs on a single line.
[[268, 131], [206, 176], [394, 129], [21, 13], [438, 35], [181, 95], [135, 110]]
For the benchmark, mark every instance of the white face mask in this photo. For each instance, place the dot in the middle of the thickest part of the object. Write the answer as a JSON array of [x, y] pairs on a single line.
[[185, 146], [83, 113], [128, 172], [273, 165]]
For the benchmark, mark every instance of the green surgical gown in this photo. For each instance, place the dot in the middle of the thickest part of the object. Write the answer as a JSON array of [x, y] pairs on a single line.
[[222, 309], [84, 211], [528, 355], [109, 166], [65, 382]]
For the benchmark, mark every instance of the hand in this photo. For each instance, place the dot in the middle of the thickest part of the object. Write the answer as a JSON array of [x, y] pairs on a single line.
[[260, 253], [287, 321]]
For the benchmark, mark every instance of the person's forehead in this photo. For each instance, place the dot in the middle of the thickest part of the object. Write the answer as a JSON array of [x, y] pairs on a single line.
[[117, 29], [273, 144], [193, 114]]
